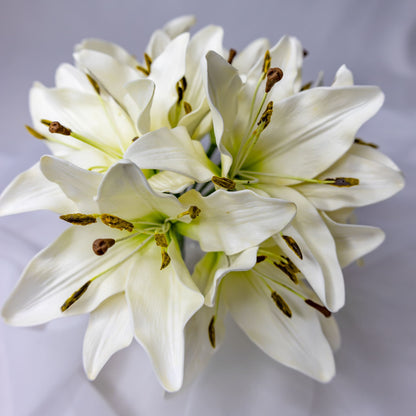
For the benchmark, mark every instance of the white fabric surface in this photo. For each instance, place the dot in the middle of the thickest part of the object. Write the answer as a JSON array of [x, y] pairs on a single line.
[[41, 368]]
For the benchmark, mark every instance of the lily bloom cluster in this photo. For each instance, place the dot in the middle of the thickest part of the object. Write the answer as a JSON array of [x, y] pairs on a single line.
[[199, 142]]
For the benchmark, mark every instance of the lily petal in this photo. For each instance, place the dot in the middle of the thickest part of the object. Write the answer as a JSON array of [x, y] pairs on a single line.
[[172, 150], [234, 221], [109, 330], [250, 55], [378, 181], [162, 302], [343, 77], [353, 241], [169, 182], [31, 191], [179, 25], [297, 342]]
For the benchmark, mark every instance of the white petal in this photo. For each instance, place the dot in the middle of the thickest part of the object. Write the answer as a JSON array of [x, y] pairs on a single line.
[[234, 221], [325, 277], [353, 241], [250, 55], [67, 76], [172, 150], [210, 270], [31, 191], [109, 330], [320, 123], [78, 184], [179, 25], [169, 182], [157, 43], [126, 193], [297, 342], [162, 301], [58, 271], [343, 77], [223, 84], [331, 331], [377, 182]]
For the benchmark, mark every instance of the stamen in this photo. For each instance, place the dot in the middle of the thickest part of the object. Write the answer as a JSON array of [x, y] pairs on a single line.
[[165, 260], [260, 259], [266, 63], [211, 331], [306, 86], [34, 133], [101, 245], [193, 211], [94, 83], [231, 55], [274, 75], [305, 53], [57, 127], [161, 240], [287, 271], [222, 182], [142, 69], [116, 222], [79, 219], [343, 182], [359, 141], [148, 60], [281, 304], [187, 107], [180, 88], [75, 296], [266, 116], [293, 245], [324, 311], [134, 139]]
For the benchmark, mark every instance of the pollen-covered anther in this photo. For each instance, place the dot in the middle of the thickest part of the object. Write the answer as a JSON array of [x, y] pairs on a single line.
[[134, 139], [281, 304], [75, 296], [305, 53], [231, 55], [285, 268], [94, 83], [274, 75], [116, 222], [324, 311], [180, 88], [357, 140], [161, 240], [58, 128], [260, 259], [148, 60], [165, 260], [290, 241], [187, 107], [343, 182], [222, 182], [34, 133], [211, 331], [79, 219], [266, 116], [101, 245], [266, 63]]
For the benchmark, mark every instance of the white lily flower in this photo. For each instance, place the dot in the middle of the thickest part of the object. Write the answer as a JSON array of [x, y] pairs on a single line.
[[134, 280], [268, 298]]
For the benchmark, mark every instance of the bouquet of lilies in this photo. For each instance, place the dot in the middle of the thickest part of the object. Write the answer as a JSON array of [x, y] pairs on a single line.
[[197, 142]]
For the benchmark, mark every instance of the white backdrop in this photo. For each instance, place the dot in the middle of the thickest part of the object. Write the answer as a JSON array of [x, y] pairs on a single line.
[[41, 368]]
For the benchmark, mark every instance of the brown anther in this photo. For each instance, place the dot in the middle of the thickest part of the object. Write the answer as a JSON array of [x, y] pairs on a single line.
[[260, 259], [306, 86], [305, 53], [194, 211], [211, 331], [287, 271], [142, 69], [101, 245], [161, 240], [165, 260], [274, 75], [179, 90], [266, 116], [34, 133], [57, 127], [222, 182], [75, 296], [134, 138], [291, 265], [293, 245], [148, 61], [324, 311], [116, 222], [187, 107], [359, 141], [266, 63], [79, 219], [343, 182], [231, 55], [184, 83], [94, 83], [281, 304]]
